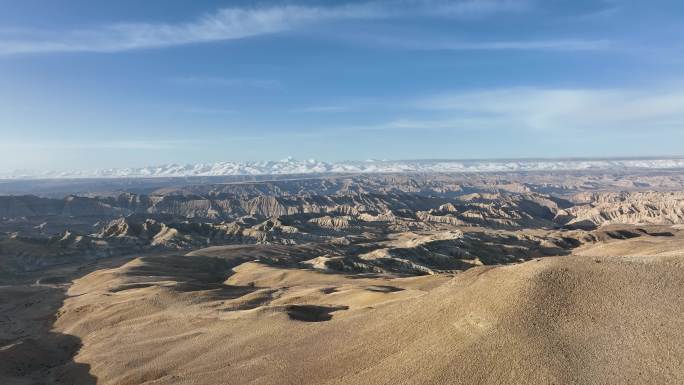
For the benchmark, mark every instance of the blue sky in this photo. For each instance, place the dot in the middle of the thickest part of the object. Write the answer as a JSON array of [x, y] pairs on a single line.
[[124, 83]]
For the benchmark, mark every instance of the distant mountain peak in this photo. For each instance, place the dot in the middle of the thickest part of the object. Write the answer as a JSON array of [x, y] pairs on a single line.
[[293, 166]]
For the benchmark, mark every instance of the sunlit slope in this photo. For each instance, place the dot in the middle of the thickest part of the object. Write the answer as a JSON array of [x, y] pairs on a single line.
[[574, 319]]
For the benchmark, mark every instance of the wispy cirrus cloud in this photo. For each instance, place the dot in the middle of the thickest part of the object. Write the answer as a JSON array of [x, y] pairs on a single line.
[[473, 7], [500, 45], [235, 23], [612, 110], [616, 111], [225, 24]]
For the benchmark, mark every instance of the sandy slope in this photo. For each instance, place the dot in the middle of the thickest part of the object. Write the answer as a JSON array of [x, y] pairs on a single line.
[[32, 352], [563, 320]]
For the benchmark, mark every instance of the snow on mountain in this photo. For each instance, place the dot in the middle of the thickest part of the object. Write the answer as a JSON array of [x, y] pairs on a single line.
[[293, 166]]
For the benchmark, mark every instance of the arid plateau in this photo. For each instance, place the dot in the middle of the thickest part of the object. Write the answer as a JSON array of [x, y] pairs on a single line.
[[570, 277]]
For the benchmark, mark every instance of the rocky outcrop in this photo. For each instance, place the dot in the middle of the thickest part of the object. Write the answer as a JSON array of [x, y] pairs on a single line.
[[636, 208], [350, 214]]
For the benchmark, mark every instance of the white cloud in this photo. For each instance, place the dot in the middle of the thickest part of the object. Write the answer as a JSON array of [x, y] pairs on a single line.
[[460, 123], [504, 45], [475, 7], [225, 24], [563, 109], [235, 23]]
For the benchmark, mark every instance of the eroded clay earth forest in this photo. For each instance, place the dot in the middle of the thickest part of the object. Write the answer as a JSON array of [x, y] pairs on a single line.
[[539, 277]]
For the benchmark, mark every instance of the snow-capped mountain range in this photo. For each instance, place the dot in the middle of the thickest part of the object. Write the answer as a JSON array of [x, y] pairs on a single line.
[[293, 166]]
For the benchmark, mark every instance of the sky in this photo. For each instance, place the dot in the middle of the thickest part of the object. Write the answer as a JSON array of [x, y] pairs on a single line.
[[105, 84]]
